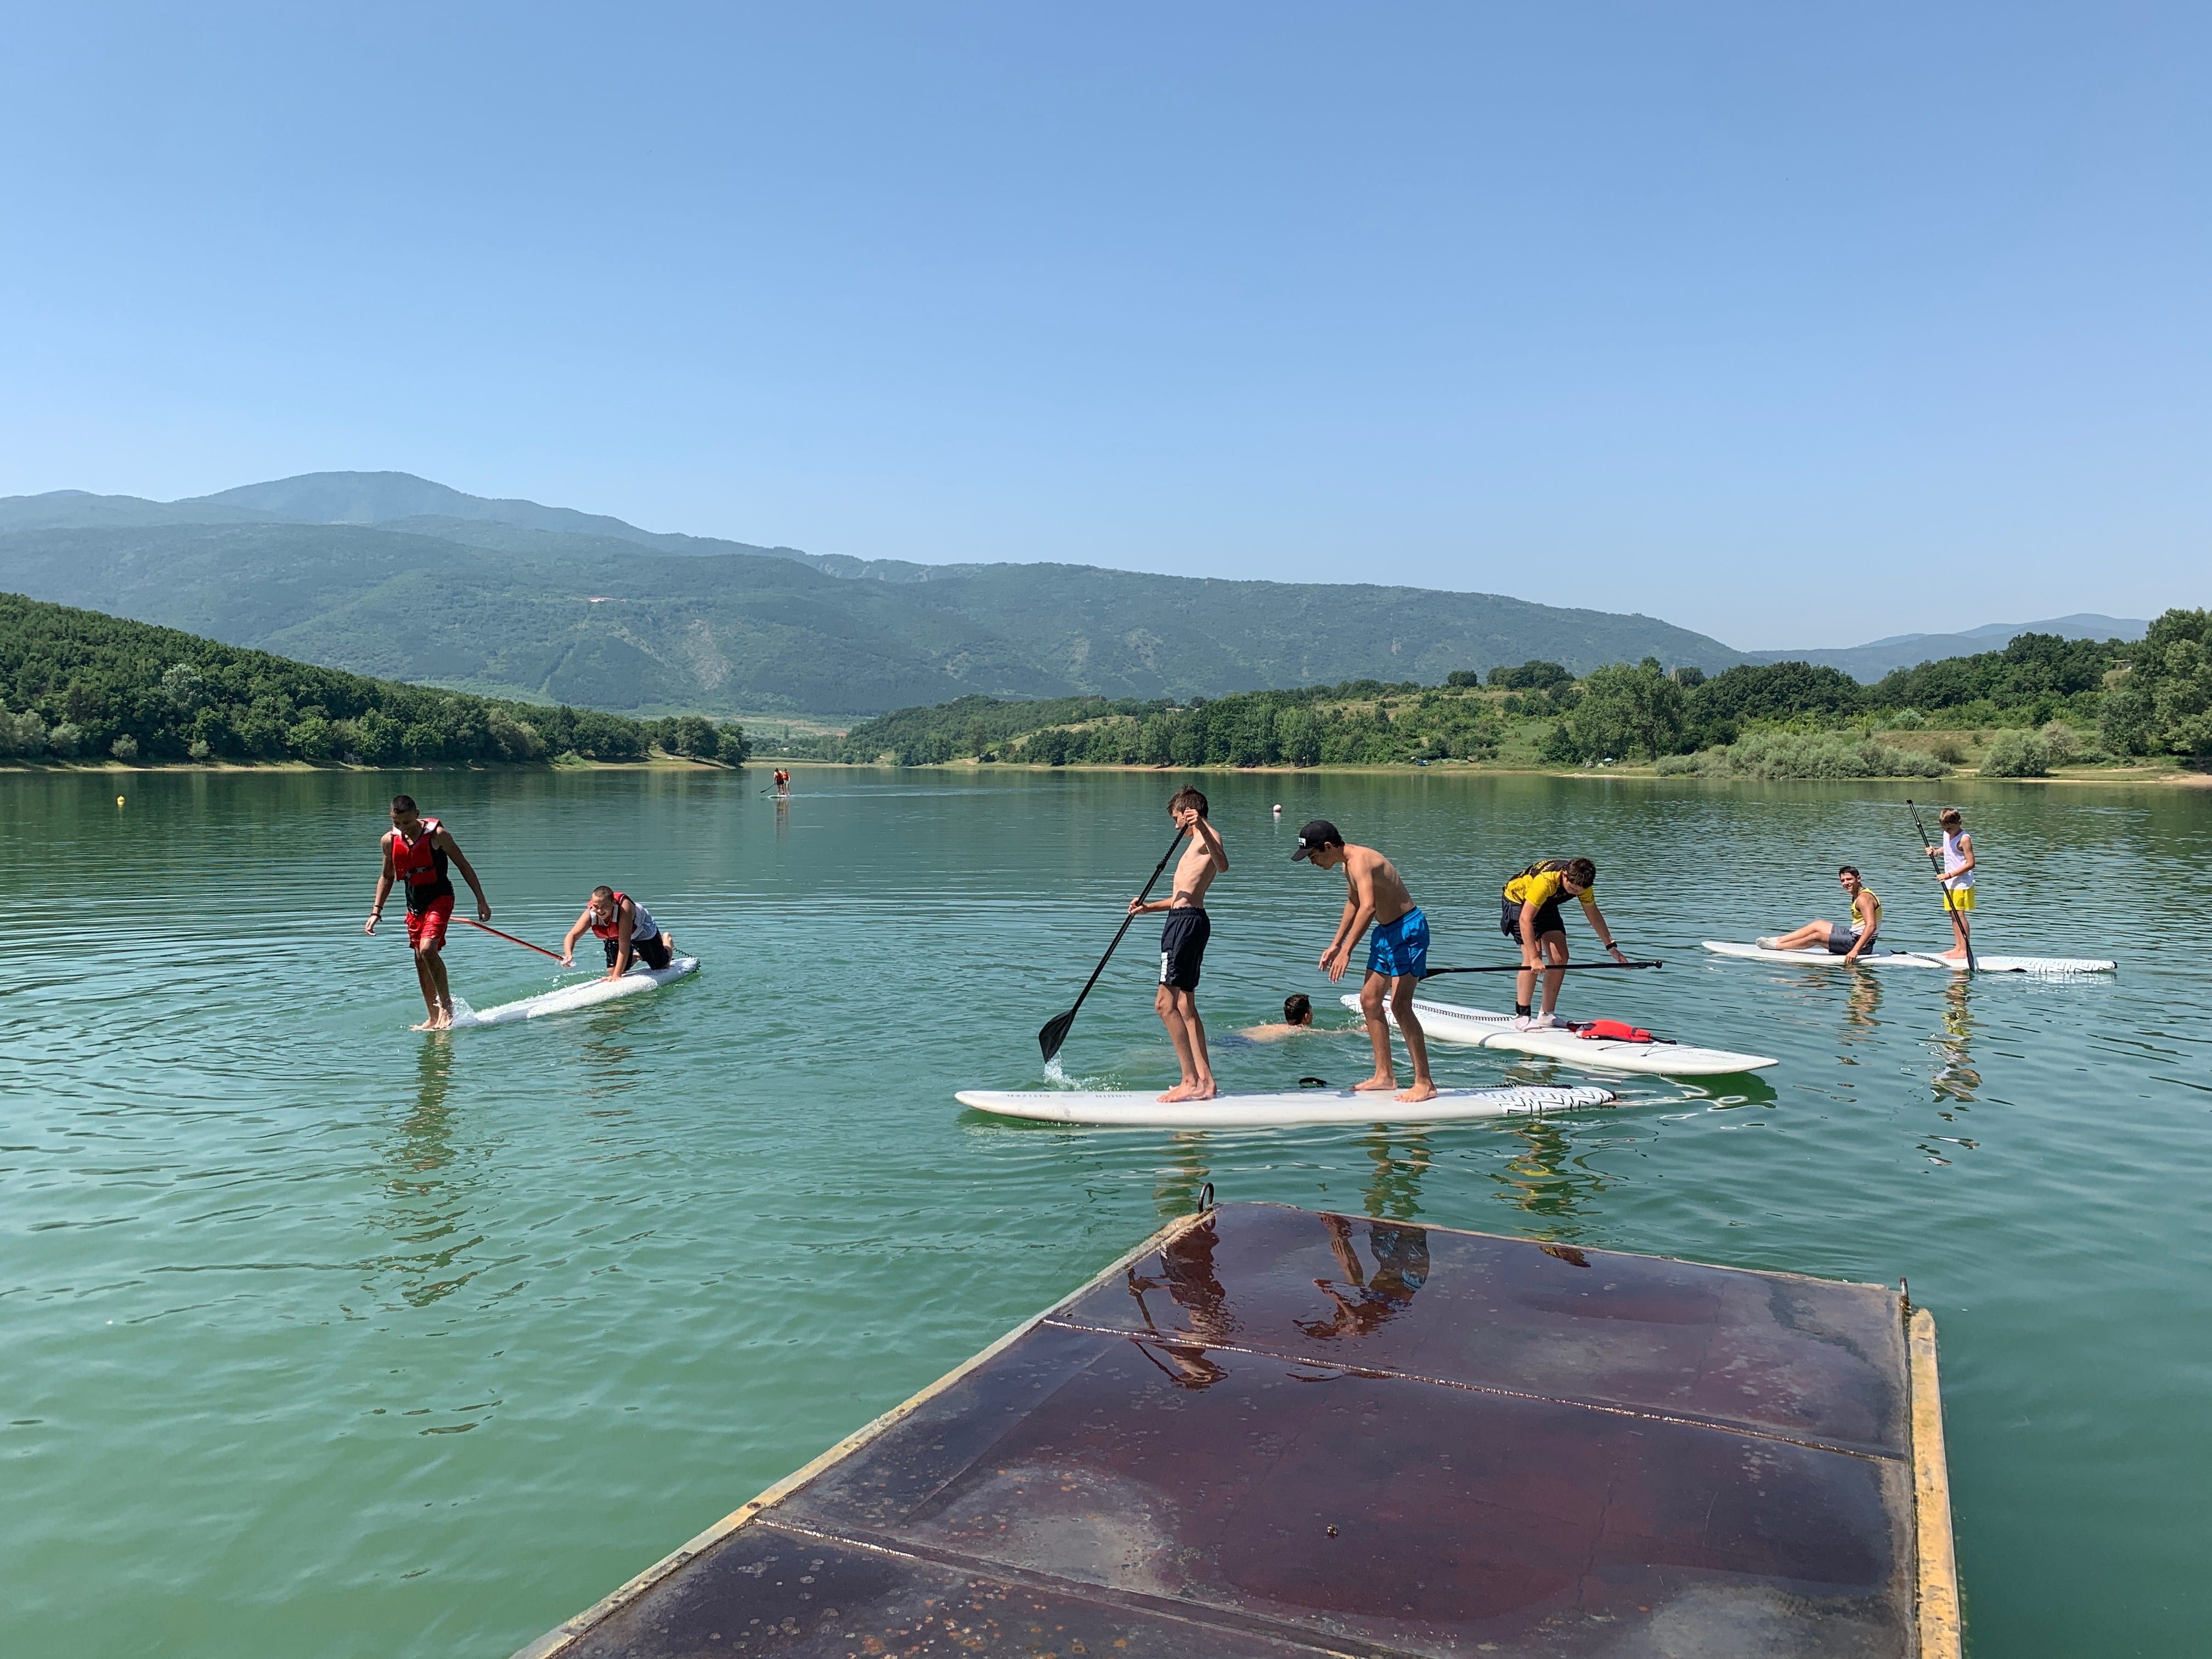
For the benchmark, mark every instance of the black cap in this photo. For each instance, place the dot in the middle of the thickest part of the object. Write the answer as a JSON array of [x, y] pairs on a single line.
[[1316, 836]]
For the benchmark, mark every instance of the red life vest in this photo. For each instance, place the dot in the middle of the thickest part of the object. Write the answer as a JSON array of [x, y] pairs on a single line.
[[418, 863], [606, 929], [1615, 1030]]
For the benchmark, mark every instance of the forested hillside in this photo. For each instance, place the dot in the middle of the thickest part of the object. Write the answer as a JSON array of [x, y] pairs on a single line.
[[513, 598], [2043, 701], [75, 684]]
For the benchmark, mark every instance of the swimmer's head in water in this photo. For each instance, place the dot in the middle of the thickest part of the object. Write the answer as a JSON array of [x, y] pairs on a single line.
[[1297, 1009]]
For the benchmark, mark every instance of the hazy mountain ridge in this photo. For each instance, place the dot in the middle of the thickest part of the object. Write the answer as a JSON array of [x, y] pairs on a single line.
[[388, 573], [1871, 661]]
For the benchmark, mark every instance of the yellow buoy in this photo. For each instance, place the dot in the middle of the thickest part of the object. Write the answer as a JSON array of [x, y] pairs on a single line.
[[118, 800]]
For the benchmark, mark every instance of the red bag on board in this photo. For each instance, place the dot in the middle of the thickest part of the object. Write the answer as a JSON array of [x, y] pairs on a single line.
[[1615, 1031]]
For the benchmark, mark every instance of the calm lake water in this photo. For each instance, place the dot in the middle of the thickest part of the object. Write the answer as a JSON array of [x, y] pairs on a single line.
[[325, 1337]]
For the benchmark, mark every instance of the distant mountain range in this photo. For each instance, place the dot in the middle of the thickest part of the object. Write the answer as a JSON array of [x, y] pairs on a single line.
[[1875, 659], [389, 575]]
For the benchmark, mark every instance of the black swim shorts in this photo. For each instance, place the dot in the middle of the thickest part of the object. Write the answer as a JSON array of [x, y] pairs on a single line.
[[1182, 946], [653, 952], [1547, 919]]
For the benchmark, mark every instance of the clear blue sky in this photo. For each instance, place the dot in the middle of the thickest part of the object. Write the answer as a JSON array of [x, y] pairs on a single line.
[[1796, 325]]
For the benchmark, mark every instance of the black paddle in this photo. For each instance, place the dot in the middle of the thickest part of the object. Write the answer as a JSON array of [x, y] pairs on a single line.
[[1055, 1029], [1935, 863], [1560, 967]]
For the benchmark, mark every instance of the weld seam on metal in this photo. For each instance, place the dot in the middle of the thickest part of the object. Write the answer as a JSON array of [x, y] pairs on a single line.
[[1639, 1413]]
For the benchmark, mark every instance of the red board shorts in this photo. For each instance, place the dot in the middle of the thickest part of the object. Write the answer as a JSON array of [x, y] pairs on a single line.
[[427, 927]]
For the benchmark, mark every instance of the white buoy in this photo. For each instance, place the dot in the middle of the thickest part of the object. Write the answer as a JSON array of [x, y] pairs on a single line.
[[1278, 809]]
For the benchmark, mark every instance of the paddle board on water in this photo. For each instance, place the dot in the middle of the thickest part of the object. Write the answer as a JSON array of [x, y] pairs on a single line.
[[2050, 965], [1447, 1022], [1139, 1109], [569, 997]]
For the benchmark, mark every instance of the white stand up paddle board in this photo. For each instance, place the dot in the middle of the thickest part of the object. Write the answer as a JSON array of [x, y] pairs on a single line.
[[569, 997], [1134, 1109], [1447, 1022], [2050, 965]]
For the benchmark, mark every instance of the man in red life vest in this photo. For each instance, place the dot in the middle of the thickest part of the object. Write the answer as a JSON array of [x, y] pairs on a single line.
[[625, 928], [416, 850]]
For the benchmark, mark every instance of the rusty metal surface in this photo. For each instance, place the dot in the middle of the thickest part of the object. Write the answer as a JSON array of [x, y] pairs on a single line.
[[1292, 1433], [1775, 1352]]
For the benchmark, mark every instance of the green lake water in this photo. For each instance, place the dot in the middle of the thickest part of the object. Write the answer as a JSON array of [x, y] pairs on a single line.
[[325, 1337]]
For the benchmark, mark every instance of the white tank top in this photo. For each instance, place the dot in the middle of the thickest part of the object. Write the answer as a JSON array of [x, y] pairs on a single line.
[[1952, 855]]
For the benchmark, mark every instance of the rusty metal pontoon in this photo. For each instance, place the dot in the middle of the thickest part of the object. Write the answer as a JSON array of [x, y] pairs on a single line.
[[1270, 1431]]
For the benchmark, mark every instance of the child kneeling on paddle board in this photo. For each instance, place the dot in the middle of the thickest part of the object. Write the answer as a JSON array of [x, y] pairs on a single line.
[[1530, 916], [1397, 957], [625, 928], [1183, 943]]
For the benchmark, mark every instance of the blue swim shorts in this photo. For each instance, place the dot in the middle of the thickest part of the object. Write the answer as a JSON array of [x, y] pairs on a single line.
[[1402, 948]]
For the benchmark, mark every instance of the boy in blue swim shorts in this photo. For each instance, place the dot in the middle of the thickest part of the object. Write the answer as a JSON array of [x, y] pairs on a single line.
[[1397, 955]]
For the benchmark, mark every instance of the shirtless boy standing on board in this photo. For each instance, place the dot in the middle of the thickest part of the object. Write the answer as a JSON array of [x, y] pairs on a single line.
[[1397, 957], [1183, 943], [416, 851]]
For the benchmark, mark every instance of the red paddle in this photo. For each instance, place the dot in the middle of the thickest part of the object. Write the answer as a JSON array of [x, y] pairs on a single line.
[[510, 938]]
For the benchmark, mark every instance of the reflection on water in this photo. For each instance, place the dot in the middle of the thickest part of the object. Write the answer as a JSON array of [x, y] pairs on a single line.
[[1394, 1189], [428, 1207], [1861, 1008], [1368, 1300], [1955, 1078], [1176, 1193], [1548, 1180], [1187, 1274]]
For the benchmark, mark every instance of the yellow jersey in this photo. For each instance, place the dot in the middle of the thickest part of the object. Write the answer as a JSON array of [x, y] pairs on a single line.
[[1544, 884]]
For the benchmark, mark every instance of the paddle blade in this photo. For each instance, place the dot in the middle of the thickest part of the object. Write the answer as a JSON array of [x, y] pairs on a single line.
[[1055, 1033]]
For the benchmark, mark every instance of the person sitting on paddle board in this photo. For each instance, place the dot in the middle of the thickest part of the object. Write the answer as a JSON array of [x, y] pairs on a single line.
[[416, 851], [1847, 940], [1183, 943], [1298, 1017], [1530, 916], [1958, 879], [625, 928], [1397, 957]]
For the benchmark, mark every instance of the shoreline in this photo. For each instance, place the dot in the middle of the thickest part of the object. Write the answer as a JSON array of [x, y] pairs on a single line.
[[2160, 777], [657, 764], [2164, 777]]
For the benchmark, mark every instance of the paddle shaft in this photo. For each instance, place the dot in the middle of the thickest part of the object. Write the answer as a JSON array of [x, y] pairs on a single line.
[[1045, 1039], [1936, 863], [1549, 968], [510, 938]]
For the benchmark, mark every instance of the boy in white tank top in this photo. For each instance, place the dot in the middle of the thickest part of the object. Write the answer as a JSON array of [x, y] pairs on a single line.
[[1958, 879]]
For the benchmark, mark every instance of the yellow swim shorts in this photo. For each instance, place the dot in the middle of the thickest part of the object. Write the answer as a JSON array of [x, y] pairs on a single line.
[[1958, 898]]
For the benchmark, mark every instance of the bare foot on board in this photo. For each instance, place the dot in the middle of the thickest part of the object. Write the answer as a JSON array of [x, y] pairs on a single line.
[[1180, 1092], [1419, 1091], [1374, 1083], [1202, 1091]]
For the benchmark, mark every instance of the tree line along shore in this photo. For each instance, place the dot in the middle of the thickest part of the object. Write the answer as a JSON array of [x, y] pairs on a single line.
[[79, 687], [2041, 704]]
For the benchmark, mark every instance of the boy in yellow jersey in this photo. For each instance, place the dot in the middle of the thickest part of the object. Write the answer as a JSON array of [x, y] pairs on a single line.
[[1530, 917], [1848, 940]]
